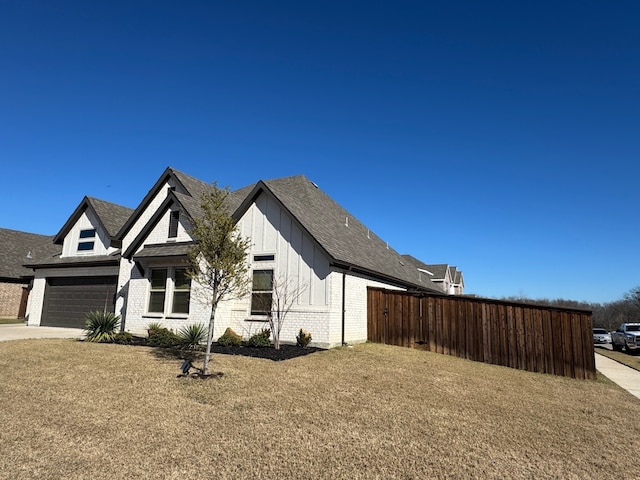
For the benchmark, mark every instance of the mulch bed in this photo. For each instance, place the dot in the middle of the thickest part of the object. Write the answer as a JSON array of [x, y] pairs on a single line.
[[286, 352]]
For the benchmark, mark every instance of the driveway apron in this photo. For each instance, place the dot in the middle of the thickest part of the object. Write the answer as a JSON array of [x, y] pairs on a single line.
[[19, 331]]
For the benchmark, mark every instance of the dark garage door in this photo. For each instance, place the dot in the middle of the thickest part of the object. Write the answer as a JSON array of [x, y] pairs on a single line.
[[67, 300]]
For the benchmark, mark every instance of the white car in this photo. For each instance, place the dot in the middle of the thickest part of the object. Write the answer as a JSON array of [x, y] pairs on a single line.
[[601, 336]]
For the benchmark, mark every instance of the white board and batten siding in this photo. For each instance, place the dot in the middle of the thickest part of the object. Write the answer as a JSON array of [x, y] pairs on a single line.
[[296, 258], [87, 221]]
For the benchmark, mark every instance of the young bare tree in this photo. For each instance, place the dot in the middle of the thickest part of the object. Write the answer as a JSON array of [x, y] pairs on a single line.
[[219, 257], [286, 292]]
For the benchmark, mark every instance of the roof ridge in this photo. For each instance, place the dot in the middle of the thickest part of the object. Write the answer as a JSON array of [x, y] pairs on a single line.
[[93, 199]]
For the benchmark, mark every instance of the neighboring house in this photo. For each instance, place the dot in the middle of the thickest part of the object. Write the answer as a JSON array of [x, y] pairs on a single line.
[[16, 249], [457, 281], [136, 263], [448, 278]]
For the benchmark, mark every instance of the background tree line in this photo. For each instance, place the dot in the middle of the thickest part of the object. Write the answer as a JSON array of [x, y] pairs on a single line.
[[606, 315]]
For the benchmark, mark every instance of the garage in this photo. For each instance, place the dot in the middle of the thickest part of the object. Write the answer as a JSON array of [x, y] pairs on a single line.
[[67, 300]]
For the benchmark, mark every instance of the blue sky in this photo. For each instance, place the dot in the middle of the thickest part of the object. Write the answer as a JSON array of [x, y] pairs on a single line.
[[500, 137]]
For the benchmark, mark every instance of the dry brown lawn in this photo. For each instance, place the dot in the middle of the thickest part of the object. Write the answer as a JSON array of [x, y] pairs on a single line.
[[75, 410]]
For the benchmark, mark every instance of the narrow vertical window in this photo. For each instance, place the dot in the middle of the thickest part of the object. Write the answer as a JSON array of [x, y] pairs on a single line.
[[173, 223], [158, 290], [181, 291], [261, 292]]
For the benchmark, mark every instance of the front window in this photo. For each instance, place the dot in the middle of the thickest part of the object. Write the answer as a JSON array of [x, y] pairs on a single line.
[[261, 292], [85, 243], [169, 290], [181, 291], [158, 290]]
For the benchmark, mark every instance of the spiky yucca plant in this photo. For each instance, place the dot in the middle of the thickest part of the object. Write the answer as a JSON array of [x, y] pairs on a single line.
[[101, 326], [193, 335]]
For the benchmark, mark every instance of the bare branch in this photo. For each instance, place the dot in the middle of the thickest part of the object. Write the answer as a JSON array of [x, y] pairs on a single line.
[[286, 292]]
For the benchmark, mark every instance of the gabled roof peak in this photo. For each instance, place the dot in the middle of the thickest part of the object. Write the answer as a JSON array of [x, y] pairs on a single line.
[[110, 215]]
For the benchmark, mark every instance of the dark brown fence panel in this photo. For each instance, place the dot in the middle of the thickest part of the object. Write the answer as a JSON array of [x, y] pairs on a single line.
[[548, 342], [517, 335]]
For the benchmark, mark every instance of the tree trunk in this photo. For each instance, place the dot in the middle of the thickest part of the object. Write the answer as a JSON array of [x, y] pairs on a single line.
[[207, 355]]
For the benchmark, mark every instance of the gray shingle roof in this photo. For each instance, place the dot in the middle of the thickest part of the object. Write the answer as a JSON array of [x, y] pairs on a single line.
[[113, 216], [16, 245], [164, 250], [195, 187], [346, 240], [343, 236], [439, 270], [89, 260]]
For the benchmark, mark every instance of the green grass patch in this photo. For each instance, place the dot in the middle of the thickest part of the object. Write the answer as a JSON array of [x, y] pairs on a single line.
[[6, 321]]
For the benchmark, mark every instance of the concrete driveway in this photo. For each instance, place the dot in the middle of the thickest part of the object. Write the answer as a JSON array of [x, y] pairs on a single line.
[[19, 331]]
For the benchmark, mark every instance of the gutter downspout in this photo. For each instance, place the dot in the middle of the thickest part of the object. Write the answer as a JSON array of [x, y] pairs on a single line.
[[344, 302], [344, 283]]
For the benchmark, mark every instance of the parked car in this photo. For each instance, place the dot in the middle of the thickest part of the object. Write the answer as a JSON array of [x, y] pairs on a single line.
[[626, 337], [601, 336]]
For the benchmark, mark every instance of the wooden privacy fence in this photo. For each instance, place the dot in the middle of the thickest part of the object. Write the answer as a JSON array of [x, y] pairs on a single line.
[[536, 338]]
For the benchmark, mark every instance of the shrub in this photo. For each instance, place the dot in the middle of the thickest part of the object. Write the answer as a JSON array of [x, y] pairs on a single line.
[[123, 338], [230, 338], [193, 335], [303, 338], [153, 327], [101, 326], [163, 338], [260, 339]]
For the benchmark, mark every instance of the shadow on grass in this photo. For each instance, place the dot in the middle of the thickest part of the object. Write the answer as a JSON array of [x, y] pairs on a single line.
[[286, 352]]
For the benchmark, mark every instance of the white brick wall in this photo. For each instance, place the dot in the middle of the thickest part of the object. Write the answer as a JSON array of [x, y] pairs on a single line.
[[324, 323]]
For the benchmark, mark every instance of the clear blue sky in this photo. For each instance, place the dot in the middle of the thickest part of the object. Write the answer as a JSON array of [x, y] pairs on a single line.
[[500, 137]]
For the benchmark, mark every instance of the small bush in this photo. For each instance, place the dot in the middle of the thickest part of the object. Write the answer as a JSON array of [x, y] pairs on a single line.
[[193, 335], [260, 339], [101, 326], [123, 338], [230, 338], [153, 327], [163, 338], [303, 338]]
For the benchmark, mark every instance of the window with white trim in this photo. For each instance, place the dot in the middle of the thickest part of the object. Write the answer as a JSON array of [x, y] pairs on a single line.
[[169, 291], [158, 290], [181, 291]]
